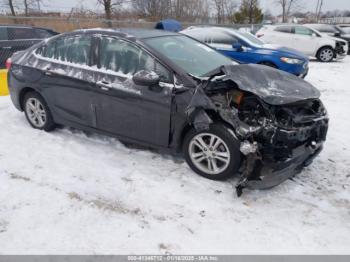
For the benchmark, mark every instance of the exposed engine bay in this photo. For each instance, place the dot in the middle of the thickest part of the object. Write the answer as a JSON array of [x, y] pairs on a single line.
[[277, 138]]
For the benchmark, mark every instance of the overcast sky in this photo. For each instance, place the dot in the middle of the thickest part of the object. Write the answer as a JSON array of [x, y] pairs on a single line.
[[310, 5]]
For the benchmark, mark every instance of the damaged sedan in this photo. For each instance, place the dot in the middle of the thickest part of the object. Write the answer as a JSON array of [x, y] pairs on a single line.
[[168, 91]]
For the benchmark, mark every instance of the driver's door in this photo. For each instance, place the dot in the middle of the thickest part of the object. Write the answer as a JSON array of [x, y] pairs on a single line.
[[305, 39], [123, 108]]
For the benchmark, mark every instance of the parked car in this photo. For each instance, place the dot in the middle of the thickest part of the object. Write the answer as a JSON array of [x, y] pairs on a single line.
[[169, 91], [15, 38], [332, 30], [344, 25], [246, 48], [306, 40]]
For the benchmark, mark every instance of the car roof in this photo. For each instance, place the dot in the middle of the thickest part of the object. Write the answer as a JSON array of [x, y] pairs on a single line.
[[223, 29], [131, 32]]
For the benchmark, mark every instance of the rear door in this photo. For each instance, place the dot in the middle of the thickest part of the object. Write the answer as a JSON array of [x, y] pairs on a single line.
[[67, 78], [125, 109]]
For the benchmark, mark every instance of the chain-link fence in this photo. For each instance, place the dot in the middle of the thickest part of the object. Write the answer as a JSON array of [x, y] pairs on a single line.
[[66, 24], [14, 38]]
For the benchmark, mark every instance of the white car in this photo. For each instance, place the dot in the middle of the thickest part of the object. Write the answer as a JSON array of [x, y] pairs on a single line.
[[306, 40]]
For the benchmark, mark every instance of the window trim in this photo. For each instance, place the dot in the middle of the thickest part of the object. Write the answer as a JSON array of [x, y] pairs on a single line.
[[93, 66]]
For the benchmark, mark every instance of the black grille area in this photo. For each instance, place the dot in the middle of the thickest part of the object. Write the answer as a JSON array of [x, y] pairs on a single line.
[[301, 114]]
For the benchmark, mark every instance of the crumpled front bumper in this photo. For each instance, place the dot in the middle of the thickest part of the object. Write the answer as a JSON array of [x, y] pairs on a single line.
[[262, 171], [274, 173]]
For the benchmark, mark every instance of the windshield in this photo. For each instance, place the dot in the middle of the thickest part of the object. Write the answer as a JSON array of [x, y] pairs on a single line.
[[194, 57], [340, 30], [251, 39], [346, 30]]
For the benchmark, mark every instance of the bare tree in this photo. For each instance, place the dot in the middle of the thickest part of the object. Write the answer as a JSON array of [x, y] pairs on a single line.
[[318, 9], [287, 6], [108, 6], [152, 9], [224, 9], [189, 10], [31, 5], [11, 5]]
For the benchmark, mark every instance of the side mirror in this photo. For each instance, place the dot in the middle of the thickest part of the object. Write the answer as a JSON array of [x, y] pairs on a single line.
[[146, 78], [237, 46]]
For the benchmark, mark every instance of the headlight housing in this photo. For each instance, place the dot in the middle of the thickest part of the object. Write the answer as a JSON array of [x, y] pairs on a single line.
[[293, 61]]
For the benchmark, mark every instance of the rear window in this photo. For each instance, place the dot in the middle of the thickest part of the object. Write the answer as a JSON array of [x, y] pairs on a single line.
[[221, 38], [212, 36], [42, 33], [68, 49], [3, 33], [73, 49], [284, 29], [15, 33]]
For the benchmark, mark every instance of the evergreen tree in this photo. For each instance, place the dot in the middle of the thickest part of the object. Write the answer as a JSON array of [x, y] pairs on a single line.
[[249, 12]]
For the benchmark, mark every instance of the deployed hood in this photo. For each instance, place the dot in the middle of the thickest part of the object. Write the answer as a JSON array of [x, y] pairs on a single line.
[[273, 86]]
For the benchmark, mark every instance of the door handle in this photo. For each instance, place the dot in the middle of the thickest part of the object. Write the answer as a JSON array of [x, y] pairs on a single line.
[[48, 72], [104, 85]]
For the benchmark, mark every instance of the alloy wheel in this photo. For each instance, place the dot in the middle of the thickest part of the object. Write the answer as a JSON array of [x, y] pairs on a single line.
[[36, 112], [326, 55], [209, 153]]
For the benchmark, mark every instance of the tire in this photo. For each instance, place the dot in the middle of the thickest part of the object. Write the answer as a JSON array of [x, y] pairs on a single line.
[[226, 156], [269, 64], [325, 54], [37, 112]]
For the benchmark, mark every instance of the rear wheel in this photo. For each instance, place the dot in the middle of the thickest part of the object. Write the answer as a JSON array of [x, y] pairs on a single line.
[[37, 112], [212, 153], [325, 54]]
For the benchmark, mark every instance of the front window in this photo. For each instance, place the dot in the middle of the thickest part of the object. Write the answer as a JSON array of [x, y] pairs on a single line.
[[251, 39], [127, 59], [300, 30], [194, 57]]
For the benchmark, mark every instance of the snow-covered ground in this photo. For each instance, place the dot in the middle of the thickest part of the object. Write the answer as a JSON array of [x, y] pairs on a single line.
[[67, 192]]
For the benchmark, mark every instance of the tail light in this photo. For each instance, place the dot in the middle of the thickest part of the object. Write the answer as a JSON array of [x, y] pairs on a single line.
[[8, 63], [260, 35]]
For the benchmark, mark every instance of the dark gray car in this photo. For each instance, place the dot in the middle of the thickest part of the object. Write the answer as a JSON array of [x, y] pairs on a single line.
[[169, 91], [14, 38]]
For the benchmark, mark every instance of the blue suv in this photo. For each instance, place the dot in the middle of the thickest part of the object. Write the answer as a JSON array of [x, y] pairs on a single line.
[[246, 48]]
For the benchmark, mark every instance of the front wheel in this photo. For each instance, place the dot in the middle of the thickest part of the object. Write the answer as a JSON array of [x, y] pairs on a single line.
[[212, 153], [325, 54]]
